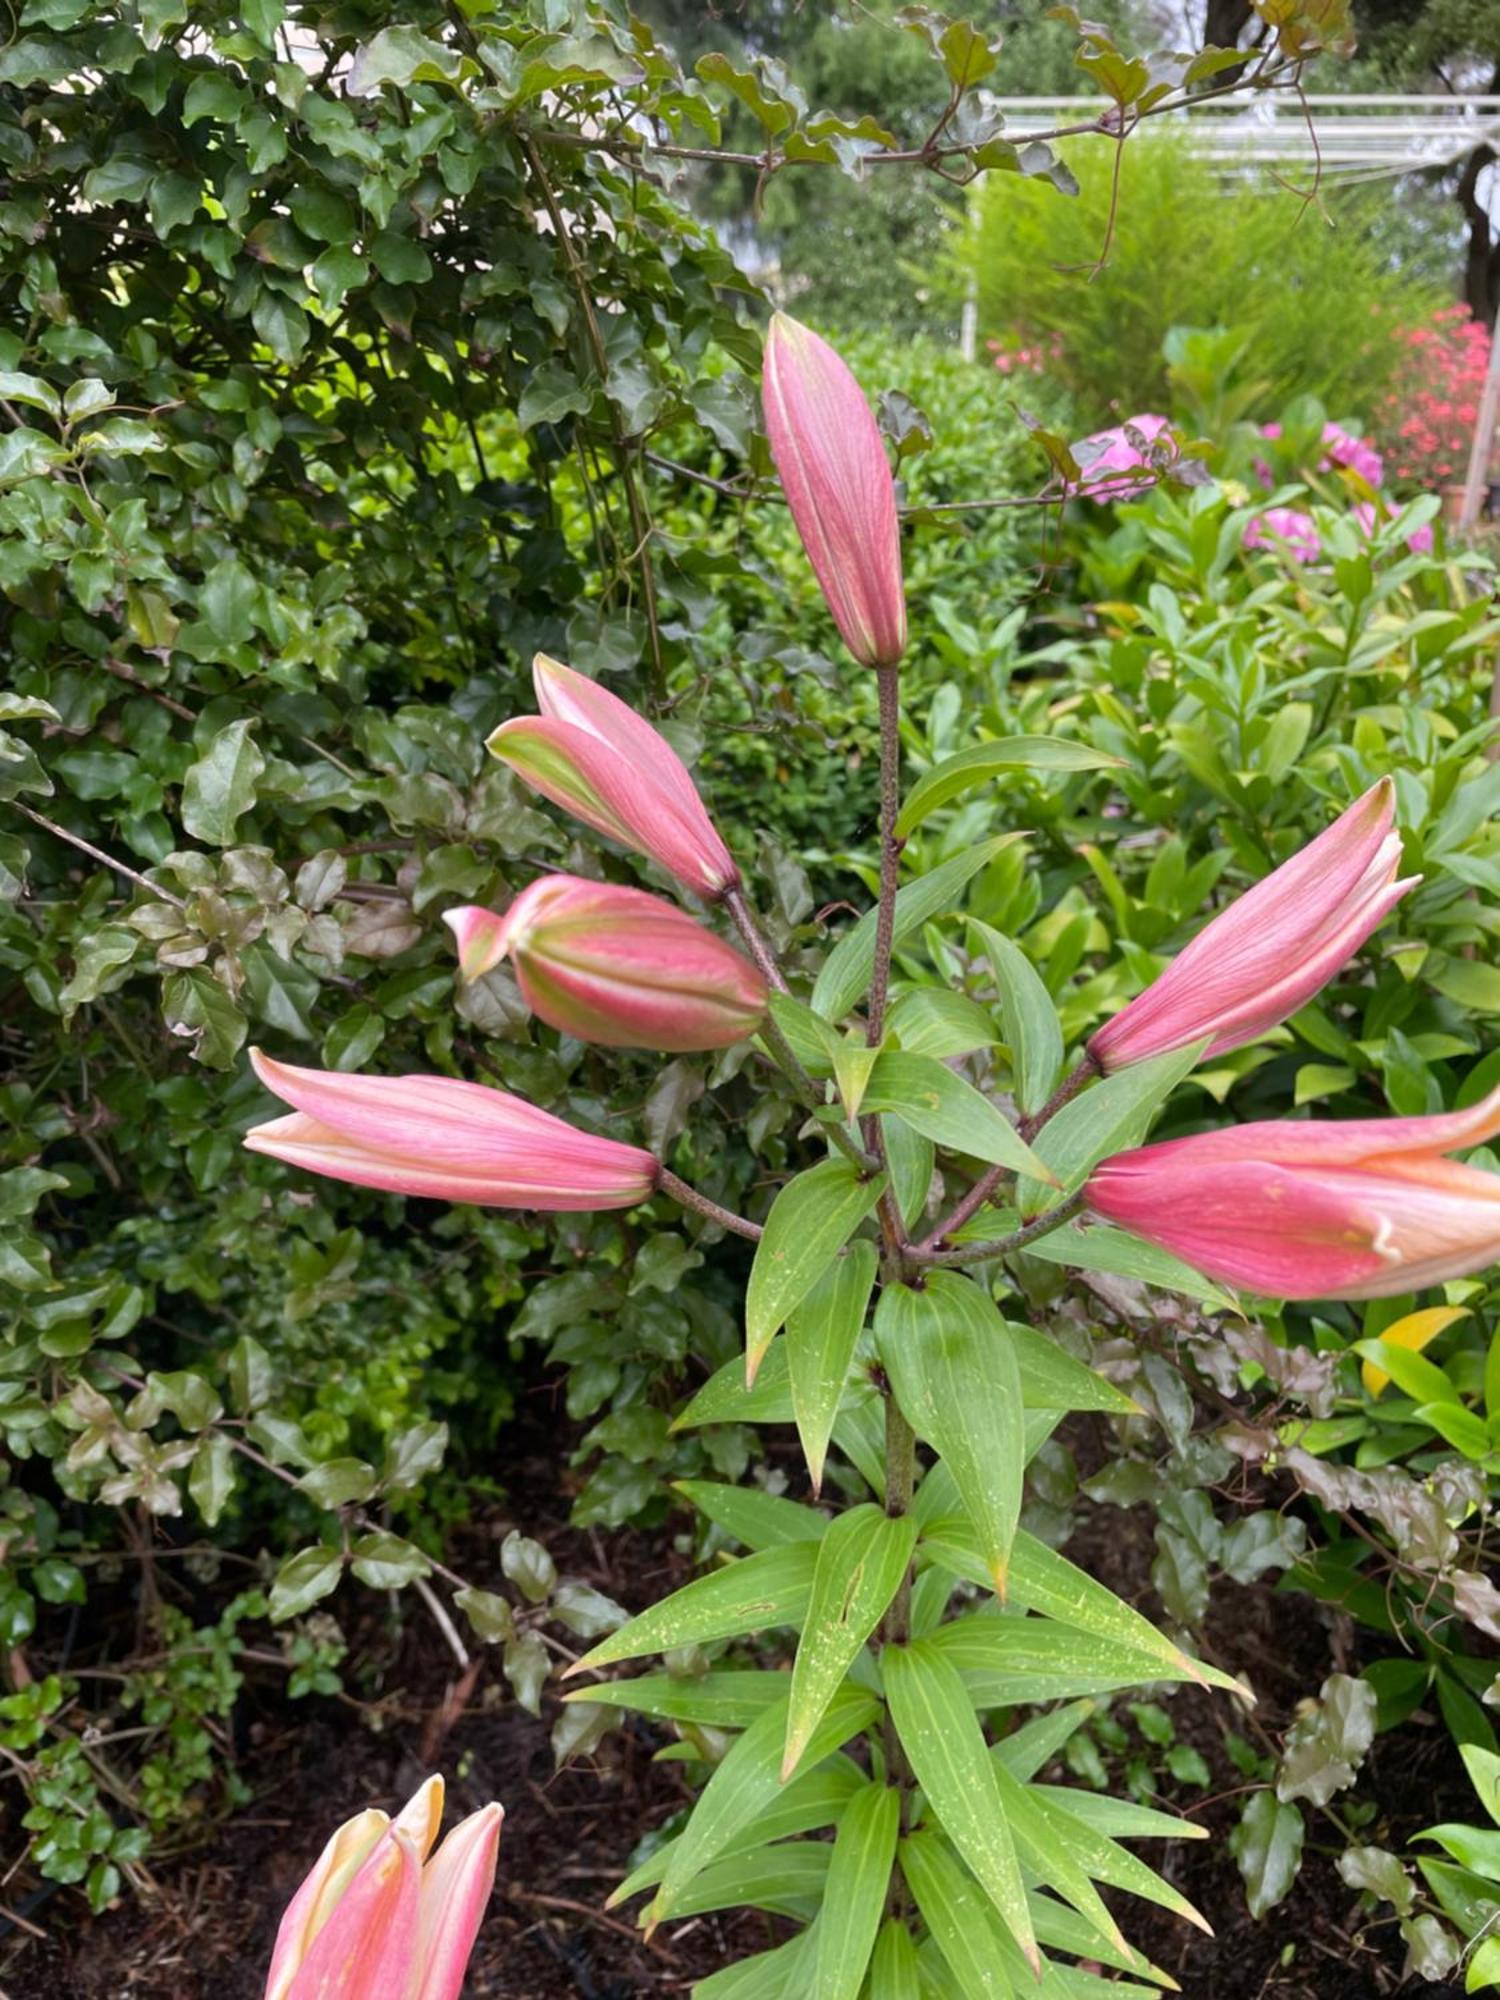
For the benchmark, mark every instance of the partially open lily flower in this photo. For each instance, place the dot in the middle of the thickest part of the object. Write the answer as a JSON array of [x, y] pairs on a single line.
[[376, 1919]]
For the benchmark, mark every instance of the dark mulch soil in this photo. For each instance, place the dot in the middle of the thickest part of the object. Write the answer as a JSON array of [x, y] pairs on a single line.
[[206, 1934]]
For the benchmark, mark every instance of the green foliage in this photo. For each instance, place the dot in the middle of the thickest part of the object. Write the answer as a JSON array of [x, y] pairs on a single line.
[[1185, 251]]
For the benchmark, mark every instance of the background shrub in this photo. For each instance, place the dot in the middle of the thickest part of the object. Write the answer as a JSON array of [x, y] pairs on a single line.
[[1315, 301]]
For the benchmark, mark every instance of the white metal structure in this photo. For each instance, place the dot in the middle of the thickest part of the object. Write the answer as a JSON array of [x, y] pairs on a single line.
[[1358, 137]]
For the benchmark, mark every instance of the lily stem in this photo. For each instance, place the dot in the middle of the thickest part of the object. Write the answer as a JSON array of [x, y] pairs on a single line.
[[977, 1253], [689, 1197]]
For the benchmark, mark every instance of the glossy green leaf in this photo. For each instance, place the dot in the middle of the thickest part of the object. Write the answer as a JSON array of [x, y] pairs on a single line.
[[1051, 1379], [957, 1916], [821, 1336], [1099, 1246], [1028, 1017], [729, 1698], [859, 1875], [935, 1101], [1106, 1118], [817, 1798], [746, 1783], [848, 968], [895, 1969], [951, 1762], [1006, 1658], [811, 1220], [977, 766], [953, 1368], [220, 786], [759, 1519], [1048, 1857], [757, 1592], [1413, 1374], [861, 1561], [1267, 1844], [1042, 1580]]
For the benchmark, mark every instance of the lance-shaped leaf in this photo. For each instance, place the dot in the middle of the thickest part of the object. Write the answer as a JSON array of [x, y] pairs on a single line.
[[1047, 1856], [1052, 1380], [758, 1591], [788, 1880], [962, 1924], [821, 1336], [759, 1519], [951, 1761], [1042, 1580], [939, 1104], [1099, 1246], [817, 1798], [725, 1398], [967, 769], [811, 1220], [1109, 1117], [768, 1975], [895, 1969], [1005, 1658], [745, 1784], [854, 1896], [1101, 1857], [1028, 1017], [953, 1368], [861, 1561], [848, 968], [729, 1699]]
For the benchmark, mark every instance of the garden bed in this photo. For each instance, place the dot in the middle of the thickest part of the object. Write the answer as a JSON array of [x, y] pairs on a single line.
[[569, 1835]]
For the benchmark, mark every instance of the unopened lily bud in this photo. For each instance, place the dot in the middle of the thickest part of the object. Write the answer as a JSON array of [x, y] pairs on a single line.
[[1316, 1208], [616, 966], [837, 480], [438, 1136], [592, 755], [1273, 948]]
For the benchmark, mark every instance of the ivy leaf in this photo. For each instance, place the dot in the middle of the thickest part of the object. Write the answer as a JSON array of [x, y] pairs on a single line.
[[302, 1581], [196, 1007], [404, 56], [220, 786], [1326, 1746], [551, 394], [387, 1562], [1267, 1844], [411, 1454]]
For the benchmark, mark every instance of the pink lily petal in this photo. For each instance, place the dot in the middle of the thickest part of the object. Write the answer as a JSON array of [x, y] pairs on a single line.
[[1273, 948], [456, 1886], [833, 468], [366, 1949]]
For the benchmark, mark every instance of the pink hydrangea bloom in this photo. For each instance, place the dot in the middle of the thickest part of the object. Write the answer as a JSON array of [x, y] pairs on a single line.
[[1419, 541], [1104, 455], [1289, 529]]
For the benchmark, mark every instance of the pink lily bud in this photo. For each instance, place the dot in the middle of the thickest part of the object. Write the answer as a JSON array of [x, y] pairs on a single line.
[[838, 483], [616, 966], [371, 1922], [590, 754], [437, 1136], [1315, 1208], [1274, 947]]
